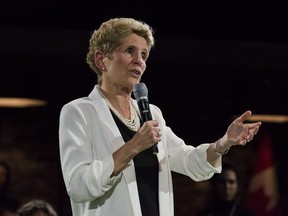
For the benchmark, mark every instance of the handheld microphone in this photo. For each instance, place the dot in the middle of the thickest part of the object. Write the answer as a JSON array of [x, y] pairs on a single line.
[[140, 93]]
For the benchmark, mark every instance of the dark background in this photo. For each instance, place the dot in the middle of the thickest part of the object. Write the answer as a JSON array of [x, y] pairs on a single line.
[[212, 60]]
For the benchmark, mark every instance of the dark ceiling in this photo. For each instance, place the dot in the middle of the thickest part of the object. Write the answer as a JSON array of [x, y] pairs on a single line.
[[221, 20], [213, 59]]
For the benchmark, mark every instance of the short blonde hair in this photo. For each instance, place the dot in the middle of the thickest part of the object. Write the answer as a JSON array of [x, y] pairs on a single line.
[[110, 35]]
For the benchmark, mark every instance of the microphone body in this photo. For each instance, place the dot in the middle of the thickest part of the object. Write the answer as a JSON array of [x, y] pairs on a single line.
[[140, 93], [144, 108]]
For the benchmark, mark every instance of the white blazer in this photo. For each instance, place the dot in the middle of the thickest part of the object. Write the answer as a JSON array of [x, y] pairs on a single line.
[[88, 136]]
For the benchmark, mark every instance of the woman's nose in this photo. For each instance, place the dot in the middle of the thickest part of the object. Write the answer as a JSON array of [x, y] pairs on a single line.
[[139, 59]]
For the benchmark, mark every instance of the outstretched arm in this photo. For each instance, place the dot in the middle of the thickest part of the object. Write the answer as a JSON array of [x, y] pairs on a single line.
[[238, 133]]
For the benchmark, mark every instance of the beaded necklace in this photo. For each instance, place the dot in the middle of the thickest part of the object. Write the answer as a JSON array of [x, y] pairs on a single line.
[[133, 123]]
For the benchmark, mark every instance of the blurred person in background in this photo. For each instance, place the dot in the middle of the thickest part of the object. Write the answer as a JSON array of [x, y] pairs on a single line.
[[36, 208], [226, 194], [8, 204]]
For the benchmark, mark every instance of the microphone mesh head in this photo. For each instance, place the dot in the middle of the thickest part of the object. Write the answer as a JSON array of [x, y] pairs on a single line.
[[140, 91]]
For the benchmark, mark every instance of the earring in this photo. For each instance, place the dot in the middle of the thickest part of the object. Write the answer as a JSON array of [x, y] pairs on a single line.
[[103, 68]]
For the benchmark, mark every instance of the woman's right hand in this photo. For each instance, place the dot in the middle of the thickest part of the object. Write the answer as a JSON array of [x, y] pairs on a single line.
[[148, 134]]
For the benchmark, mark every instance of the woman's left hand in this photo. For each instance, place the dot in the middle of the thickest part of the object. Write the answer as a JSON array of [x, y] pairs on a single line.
[[240, 133]]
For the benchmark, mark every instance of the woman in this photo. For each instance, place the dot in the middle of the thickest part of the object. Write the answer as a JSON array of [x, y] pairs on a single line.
[[226, 199], [105, 148]]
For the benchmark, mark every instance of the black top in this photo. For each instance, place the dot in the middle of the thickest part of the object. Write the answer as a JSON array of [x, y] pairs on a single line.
[[146, 168], [226, 209]]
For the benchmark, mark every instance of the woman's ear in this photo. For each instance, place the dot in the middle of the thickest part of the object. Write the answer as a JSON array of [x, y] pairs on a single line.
[[98, 58]]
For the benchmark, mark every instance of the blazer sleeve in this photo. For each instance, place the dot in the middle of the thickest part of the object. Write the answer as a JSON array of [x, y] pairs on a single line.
[[185, 158], [86, 177]]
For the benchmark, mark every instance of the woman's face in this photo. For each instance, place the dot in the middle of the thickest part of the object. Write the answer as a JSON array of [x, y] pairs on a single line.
[[127, 63], [227, 185]]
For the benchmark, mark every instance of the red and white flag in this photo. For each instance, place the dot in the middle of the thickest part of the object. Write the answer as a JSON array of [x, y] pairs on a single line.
[[263, 189]]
